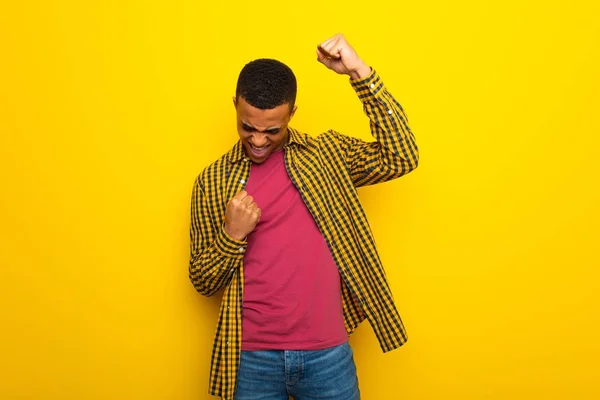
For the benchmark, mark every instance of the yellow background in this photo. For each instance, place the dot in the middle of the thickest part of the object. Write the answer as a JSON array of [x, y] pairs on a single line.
[[109, 110]]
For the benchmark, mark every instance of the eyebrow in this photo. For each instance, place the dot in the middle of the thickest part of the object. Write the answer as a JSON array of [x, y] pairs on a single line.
[[249, 127]]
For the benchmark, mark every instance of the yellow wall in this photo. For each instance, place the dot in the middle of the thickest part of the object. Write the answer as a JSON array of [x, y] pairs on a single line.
[[109, 110]]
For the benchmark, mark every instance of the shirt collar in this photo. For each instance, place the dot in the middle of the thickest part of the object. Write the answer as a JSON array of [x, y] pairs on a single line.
[[237, 152]]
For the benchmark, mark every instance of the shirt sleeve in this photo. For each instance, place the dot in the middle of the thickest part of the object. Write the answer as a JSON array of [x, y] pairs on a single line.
[[215, 256], [394, 152]]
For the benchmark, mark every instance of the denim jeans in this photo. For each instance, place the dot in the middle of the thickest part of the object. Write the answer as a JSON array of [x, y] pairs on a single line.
[[328, 374]]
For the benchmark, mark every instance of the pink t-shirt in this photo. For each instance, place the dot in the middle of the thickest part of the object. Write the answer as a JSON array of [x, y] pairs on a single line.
[[292, 288]]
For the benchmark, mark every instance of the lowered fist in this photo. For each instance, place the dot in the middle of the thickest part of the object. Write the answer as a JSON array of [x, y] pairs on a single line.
[[337, 55], [241, 216]]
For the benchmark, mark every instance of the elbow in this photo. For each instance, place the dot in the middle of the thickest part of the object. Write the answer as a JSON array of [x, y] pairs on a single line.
[[410, 162], [414, 163], [403, 166], [199, 282], [201, 287]]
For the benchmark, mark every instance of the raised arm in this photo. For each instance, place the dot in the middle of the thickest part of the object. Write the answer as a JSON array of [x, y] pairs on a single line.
[[394, 152]]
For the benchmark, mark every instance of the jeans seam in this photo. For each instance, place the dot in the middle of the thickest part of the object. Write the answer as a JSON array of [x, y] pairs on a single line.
[[300, 366]]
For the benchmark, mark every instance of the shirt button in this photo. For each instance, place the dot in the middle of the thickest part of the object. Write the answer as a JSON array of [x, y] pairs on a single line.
[[243, 181], [390, 112], [372, 85], [241, 249]]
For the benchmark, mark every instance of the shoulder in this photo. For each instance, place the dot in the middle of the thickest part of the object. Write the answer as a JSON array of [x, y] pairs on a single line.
[[215, 170], [310, 141], [329, 136], [335, 139], [328, 145]]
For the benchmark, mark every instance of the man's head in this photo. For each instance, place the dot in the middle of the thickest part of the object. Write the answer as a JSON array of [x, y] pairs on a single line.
[[265, 103]]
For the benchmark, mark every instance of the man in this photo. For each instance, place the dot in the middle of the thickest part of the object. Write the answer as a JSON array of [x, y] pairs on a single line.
[[277, 222]]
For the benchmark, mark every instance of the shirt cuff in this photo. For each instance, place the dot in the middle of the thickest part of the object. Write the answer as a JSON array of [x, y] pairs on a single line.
[[368, 87], [228, 246]]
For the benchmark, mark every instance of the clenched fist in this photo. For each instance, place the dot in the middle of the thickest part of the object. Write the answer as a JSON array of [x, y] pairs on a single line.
[[241, 216], [337, 55]]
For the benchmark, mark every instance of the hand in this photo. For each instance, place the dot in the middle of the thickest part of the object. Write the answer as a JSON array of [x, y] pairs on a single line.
[[337, 55], [241, 216]]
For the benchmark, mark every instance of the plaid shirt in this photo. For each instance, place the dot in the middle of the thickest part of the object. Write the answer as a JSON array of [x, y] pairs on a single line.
[[326, 170]]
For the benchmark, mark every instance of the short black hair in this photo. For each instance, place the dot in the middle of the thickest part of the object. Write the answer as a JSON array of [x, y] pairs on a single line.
[[266, 84]]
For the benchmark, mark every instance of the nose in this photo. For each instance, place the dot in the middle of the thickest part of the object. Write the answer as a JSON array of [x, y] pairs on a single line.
[[259, 139]]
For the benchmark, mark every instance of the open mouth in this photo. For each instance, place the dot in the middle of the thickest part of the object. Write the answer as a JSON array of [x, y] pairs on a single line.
[[259, 152]]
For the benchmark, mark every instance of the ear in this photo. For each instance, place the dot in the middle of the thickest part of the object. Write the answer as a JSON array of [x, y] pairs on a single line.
[[293, 111], [234, 102]]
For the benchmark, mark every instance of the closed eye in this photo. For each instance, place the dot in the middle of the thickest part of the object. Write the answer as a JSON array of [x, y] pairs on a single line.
[[248, 128]]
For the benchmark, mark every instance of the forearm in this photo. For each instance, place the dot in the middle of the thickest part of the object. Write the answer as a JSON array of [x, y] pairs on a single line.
[[388, 123], [214, 255], [212, 268]]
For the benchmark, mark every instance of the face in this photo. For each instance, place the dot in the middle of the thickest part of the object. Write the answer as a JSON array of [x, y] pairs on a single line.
[[262, 131]]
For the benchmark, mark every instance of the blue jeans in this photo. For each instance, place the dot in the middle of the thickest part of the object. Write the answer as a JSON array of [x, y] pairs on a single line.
[[328, 374]]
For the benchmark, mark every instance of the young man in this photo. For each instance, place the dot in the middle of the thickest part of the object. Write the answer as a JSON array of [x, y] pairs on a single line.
[[277, 222]]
